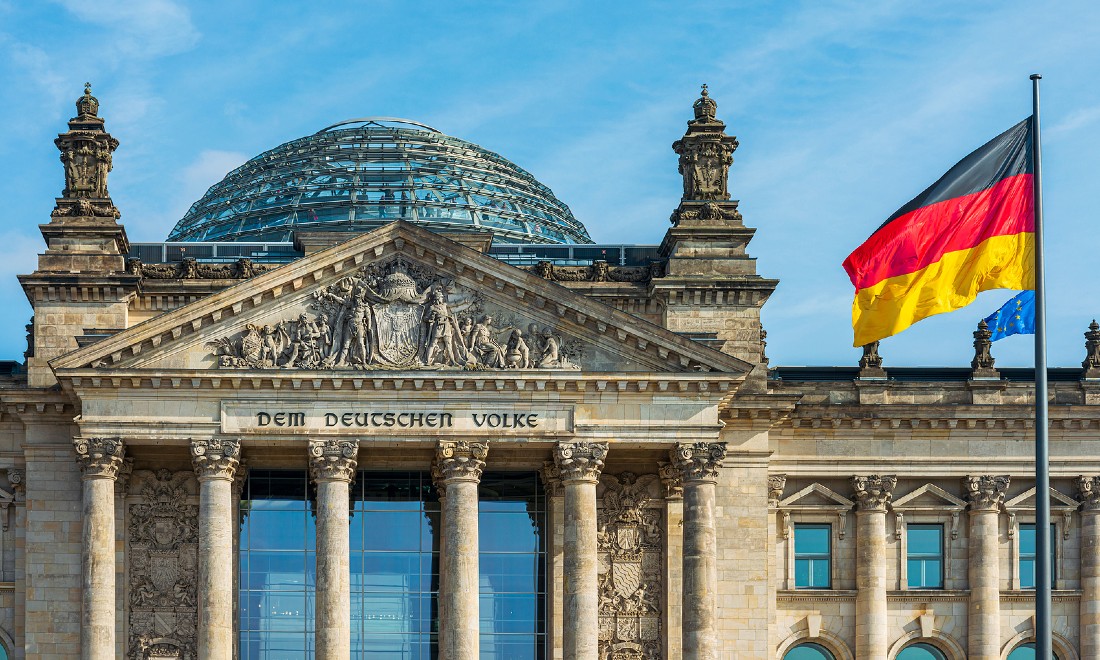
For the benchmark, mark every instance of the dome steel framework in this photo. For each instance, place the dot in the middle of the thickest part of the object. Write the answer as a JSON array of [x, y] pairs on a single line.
[[363, 173]]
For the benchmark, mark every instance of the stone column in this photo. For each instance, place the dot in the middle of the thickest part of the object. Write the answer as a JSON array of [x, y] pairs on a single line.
[[672, 480], [1089, 493], [698, 464], [332, 467], [215, 462], [579, 464], [460, 464], [100, 460], [985, 493], [555, 559], [871, 493]]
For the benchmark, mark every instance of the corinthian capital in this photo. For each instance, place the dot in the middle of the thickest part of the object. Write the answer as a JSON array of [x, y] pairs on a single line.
[[872, 492], [216, 458], [1088, 492], [698, 461], [580, 461], [672, 478], [985, 492], [460, 460], [333, 460], [99, 458]]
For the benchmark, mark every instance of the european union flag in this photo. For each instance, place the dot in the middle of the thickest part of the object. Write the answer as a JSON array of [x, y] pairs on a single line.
[[1015, 317]]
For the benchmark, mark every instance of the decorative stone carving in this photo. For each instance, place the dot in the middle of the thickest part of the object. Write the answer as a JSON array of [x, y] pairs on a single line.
[[672, 478], [396, 316], [982, 364], [332, 459], [698, 461], [86, 154], [873, 492], [551, 479], [985, 492], [870, 365], [580, 461], [630, 567], [706, 153], [1088, 492], [17, 477], [99, 457], [190, 269], [599, 271], [1091, 364], [707, 213], [461, 460], [776, 484], [216, 458], [163, 567]]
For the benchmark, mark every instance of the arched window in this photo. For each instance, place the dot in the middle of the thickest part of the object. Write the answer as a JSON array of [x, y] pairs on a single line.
[[921, 651], [1025, 652], [808, 651]]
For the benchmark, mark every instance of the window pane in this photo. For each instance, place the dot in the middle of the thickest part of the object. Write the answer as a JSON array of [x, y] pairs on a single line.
[[921, 652], [808, 651], [811, 539], [801, 572], [820, 574], [1027, 539], [925, 539]]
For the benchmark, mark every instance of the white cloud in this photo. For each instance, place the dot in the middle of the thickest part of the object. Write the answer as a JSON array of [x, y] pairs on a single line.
[[142, 28], [1079, 118]]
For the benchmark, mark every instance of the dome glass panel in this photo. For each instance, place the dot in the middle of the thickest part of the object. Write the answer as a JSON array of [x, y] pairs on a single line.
[[361, 174]]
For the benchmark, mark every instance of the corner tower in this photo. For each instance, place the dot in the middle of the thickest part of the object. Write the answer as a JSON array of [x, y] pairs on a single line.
[[711, 290]]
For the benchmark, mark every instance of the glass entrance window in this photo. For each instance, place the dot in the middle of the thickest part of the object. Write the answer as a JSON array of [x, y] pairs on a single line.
[[921, 651], [1026, 652], [808, 651]]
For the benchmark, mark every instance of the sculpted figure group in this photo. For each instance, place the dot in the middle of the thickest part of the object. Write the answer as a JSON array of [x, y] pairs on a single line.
[[376, 321]]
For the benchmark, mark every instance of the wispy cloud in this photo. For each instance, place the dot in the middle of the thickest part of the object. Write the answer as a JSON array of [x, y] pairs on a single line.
[[145, 29]]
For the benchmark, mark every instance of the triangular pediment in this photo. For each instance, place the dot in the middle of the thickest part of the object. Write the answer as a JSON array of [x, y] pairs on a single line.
[[399, 298], [1059, 501], [928, 497], [816, 496]]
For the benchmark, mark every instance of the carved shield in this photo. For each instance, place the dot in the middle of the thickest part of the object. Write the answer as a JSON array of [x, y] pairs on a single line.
[[628, 537], [627, 577], [398, 326], [164, 571]]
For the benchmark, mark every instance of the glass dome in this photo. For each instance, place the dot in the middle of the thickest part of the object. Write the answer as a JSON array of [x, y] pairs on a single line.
[[363, 173]]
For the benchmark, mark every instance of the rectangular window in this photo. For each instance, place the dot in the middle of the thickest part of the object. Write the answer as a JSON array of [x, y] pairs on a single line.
[[812, 556], [925, 556], [1028, 556]]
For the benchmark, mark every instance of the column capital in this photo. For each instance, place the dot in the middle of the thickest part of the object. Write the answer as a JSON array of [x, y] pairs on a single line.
[[985, 492], [99, 458], [551, 479], [1088, 492], [580, 461], [776, 484], [460, 460], [698, 461], [872, 492], [672, 478], [17, 478], [215, 458], [332, 459]]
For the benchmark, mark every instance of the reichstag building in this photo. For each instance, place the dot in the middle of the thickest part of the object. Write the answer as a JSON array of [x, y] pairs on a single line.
[[380, 395]]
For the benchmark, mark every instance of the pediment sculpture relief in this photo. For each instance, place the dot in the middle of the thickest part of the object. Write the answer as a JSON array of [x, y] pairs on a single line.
[[398, 316]]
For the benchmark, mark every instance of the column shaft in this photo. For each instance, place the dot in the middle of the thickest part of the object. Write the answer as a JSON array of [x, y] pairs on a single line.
[[332, 466], [460, 600], [1090, 583], [215, 462], [700, 599], [871, 611], [985, 593]]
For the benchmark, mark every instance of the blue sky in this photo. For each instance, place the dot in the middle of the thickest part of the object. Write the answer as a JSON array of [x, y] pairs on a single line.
[[844, 111]]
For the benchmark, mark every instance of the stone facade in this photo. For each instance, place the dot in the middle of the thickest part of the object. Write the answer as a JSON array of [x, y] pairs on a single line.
[[677, 473]]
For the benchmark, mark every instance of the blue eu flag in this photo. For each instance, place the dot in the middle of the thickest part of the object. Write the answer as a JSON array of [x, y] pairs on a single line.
[[1015, 317]]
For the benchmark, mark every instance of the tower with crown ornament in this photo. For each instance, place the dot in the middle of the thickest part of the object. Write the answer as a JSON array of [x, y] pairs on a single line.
[[81, 281], [710, 289]]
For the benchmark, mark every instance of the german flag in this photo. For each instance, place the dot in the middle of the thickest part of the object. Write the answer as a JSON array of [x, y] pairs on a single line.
[[971, 231]]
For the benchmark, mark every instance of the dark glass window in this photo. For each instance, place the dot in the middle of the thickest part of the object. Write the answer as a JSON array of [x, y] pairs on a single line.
[[812, 556], [925, 556], [808, 651], [1028, 556]]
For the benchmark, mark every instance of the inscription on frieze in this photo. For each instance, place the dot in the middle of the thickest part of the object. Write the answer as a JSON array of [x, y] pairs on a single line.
[[394, 418]]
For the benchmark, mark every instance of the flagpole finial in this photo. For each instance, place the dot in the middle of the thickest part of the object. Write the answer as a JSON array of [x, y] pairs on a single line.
[[1036, 76]]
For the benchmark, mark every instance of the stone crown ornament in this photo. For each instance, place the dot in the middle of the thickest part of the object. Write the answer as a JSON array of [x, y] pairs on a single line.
[[580, 461], [985, 492], [216, 458], [333, 460], [698, 461], [461, 460], [873, 492], [99, 457]]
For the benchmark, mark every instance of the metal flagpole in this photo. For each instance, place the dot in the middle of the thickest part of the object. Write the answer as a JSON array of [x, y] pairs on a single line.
[[1043, 641]]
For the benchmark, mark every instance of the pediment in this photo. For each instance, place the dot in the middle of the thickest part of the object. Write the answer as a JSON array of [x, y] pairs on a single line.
[[928, 497], [399, 298], [1059, 501], [816, 496]]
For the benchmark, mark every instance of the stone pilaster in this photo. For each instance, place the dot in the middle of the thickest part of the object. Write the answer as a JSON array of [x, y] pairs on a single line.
[[1089, 493], [872, 494], [672, 481], [100, 460], [215, 462], [555, 558], [332, 467], [580, 464], [985, 494], [698, 464], [460, 464]]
